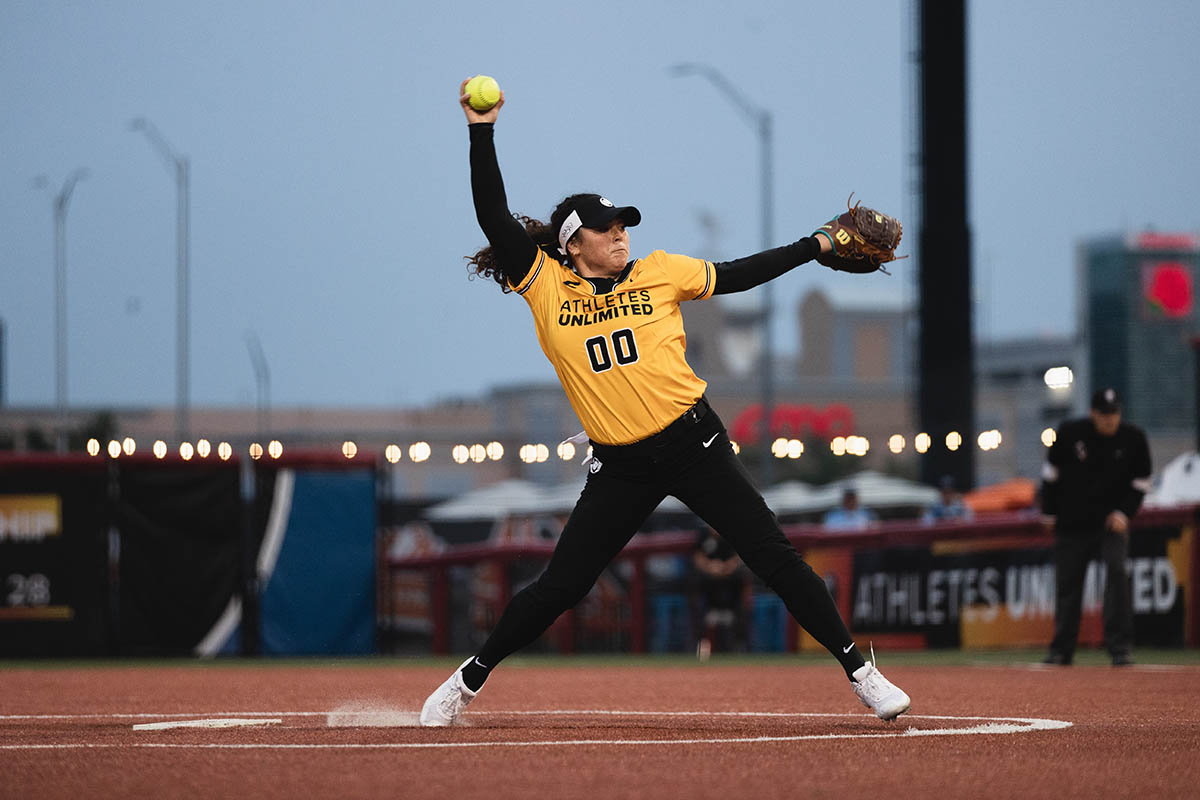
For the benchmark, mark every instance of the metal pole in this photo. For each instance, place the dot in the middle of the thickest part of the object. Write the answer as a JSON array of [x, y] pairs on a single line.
[[946, 384], [60, 322], [61, 203], [2, 377], [768, 311], [181, 168], [262, 380], [182, 299], [761, 119]]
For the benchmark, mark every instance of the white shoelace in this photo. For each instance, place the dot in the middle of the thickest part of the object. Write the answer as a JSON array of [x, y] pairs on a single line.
[[874, 683]]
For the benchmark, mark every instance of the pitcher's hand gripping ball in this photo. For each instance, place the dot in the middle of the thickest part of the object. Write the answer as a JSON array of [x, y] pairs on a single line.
[[484, 91], [863, 239]]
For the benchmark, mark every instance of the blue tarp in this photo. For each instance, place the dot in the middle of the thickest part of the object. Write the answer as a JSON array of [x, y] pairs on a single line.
[[320, 598]]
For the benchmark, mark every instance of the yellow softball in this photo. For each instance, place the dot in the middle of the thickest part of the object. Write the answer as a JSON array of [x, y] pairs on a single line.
[[484, 92]]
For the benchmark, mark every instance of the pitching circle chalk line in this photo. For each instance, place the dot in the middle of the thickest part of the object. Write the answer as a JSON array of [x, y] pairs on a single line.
[[209, 722], [981, 726]]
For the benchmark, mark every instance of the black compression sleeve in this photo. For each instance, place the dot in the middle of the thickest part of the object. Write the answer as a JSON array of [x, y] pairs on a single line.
[[513, 247], [746, 273]]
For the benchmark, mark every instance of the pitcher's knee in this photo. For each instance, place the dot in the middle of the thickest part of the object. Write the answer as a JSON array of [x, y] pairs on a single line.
[[556, 596], [798, 584], [780, 564]]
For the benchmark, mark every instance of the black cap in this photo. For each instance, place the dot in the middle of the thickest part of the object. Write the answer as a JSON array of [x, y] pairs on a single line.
[[595, 212], [1106, 401]]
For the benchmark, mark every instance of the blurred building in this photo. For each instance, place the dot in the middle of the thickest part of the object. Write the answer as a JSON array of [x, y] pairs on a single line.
[[850, 377], [849, 372], [490, 435], [1136, 321], [1023, 387], [1137, 315]]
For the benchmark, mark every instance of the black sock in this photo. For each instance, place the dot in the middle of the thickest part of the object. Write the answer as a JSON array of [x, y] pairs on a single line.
[[850, 660], [474, 674]]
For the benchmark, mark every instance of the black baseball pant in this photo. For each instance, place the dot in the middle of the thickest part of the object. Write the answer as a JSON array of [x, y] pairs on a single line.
[[1073, 551], [692, 460]]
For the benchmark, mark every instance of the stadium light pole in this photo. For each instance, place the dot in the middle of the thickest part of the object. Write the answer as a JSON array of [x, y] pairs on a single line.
[[62, 201], [262, 381], [181, 168], [762, 122]]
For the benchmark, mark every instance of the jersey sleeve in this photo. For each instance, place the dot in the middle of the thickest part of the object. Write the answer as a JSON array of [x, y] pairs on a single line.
[[530, 278], [511, 244], [693, 278]]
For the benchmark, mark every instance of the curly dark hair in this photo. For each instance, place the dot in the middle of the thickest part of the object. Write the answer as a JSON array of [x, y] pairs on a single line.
[[484, 263]]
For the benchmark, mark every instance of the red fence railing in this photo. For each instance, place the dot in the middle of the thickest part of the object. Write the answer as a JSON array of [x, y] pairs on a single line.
[[1000, 531]]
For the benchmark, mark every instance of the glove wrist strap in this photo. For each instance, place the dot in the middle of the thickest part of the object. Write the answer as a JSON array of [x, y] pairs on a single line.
[[828, 237]]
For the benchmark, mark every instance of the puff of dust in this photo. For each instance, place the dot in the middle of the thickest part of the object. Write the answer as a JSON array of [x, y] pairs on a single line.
[[365, 714]]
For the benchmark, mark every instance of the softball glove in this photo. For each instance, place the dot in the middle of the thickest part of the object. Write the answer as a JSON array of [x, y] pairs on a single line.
[[863, 239]]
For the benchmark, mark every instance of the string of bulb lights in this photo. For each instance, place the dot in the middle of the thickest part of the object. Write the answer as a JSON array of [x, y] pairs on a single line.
[[533, 453]]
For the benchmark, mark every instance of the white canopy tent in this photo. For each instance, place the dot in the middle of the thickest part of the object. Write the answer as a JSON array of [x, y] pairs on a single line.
[[487, 502], [561, 499], [1178, 484], [515, 497], [875, 490]]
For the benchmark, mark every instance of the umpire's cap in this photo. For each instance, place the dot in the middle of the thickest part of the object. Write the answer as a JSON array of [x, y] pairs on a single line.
[[595, 212], [1106, 401]]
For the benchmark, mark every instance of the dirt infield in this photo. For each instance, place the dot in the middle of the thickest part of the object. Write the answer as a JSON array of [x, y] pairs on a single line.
[[555, 729]]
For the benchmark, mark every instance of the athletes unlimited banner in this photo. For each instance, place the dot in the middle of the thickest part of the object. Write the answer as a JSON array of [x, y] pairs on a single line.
[[982, 593]]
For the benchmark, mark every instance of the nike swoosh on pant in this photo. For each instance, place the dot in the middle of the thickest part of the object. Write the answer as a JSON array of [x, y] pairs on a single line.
[[848, 648], [710, 441]]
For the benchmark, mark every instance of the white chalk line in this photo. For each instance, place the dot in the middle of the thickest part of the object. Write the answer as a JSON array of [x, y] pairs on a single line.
[[985, 726], [210, 722], [157, 715], [595, 712], [1040, 667]]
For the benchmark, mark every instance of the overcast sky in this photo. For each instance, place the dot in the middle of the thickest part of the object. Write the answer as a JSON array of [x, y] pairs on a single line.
[[330, 204]]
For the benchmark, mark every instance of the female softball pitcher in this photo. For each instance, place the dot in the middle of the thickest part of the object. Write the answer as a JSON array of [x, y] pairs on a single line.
[[612, 328]]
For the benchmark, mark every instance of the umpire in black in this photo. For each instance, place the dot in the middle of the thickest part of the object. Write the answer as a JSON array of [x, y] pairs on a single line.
[[1095, 476]]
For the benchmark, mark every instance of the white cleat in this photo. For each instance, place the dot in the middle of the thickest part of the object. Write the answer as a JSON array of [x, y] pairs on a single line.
[[877, 693], [447, 701]]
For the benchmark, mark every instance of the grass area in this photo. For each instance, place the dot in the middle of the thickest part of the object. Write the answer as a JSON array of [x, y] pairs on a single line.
[[1144, 656]]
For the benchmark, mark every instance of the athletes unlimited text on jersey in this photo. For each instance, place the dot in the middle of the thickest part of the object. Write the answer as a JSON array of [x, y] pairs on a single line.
[[620, 356]]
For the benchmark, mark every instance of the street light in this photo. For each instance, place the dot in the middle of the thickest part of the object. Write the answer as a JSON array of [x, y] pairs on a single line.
[[61, 202], [760, 120], [262, 381], [181, 168]]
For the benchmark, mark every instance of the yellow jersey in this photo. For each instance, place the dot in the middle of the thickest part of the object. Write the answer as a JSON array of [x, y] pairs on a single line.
[[620, 355]]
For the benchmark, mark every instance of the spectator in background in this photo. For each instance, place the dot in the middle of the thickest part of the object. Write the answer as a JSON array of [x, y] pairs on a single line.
[[850, 516], [1095, 476], [949, 507], [719, 587]]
